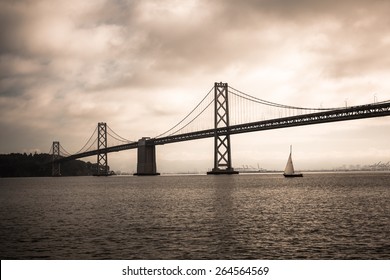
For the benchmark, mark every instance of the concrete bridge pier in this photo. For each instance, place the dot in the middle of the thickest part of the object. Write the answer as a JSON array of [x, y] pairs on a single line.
[[146, 158]]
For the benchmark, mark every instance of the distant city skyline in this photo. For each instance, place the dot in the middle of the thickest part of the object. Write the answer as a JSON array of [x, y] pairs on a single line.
[[141, 66]]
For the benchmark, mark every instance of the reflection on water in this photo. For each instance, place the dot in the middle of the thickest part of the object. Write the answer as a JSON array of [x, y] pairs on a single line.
[[319, 216]]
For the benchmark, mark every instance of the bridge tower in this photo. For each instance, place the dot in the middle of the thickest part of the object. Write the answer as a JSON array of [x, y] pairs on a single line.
[[222, 151], [146, 158], [102, 163], [56, 166]]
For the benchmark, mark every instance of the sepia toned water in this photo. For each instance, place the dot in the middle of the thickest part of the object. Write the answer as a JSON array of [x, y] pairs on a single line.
[[319, 216]]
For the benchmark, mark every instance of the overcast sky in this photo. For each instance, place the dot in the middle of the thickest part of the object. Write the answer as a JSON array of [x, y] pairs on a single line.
[[141, 66]]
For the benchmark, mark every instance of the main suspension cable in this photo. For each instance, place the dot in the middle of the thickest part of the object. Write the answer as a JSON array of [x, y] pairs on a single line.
[[192, 119], [122, 138], [269, 103], [66, 152], [166, 132], [87, 141]]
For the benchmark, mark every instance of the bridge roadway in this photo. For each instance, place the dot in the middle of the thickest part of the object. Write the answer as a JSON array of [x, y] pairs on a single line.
[[349, 113]]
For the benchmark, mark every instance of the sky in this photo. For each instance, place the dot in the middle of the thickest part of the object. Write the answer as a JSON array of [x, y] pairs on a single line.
[[141, 66]]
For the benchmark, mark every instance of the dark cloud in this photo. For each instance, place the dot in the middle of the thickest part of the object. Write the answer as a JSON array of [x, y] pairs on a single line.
[[66, 65], [300, 10]]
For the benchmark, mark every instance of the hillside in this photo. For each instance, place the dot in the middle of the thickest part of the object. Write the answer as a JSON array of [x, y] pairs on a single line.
[[39, 165]]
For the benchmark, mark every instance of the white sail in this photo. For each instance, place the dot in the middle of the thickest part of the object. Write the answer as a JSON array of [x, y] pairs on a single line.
[[289, 170]]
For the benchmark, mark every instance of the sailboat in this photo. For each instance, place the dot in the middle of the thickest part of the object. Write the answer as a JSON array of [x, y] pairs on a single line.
[[289, 170]]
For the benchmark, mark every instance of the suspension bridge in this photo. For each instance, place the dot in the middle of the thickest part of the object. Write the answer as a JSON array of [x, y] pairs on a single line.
[[224, 111]]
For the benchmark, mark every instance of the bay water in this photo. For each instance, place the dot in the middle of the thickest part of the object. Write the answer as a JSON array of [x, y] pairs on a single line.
[[246, 216]]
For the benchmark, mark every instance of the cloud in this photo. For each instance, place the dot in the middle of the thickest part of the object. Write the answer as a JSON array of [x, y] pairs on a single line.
[[142, 65]]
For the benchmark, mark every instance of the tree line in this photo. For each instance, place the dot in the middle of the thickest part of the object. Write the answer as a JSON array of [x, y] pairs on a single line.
[[39, 165]]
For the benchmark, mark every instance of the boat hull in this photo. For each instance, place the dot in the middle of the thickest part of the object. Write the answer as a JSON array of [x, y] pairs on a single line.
[[293, 175]]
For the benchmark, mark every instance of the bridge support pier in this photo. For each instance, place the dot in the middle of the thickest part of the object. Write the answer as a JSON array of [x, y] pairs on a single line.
[[222, 152], [146, 158], [56, 166]]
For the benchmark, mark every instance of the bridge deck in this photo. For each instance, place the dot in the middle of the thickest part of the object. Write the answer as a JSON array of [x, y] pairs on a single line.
[[349, 113]]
